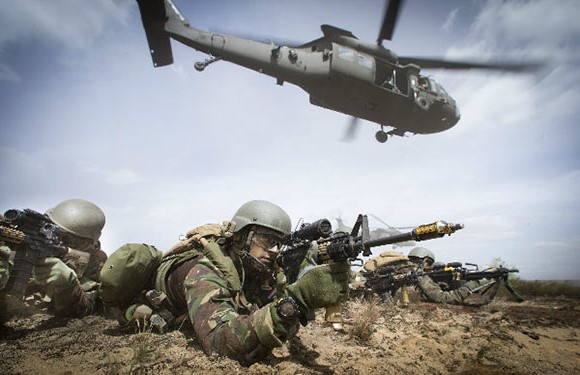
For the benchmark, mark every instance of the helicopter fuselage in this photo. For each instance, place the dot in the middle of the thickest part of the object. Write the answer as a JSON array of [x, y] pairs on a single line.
[[341, 74]]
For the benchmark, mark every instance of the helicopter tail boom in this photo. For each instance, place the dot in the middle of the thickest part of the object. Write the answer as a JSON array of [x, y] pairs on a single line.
[[155, 14]]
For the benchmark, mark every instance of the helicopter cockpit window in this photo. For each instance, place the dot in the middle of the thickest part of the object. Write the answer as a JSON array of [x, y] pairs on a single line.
[[424, 84], [440, 89]]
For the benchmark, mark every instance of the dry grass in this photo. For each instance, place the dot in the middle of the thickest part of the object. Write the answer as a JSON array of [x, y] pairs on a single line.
[[142, 353], [363, 313], [496, 305], [537, 288]]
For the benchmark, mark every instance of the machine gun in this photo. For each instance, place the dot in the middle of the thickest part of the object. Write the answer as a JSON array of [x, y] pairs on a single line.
[[451, 276], [454, 275], [33, 237], [389, 279], [344, 247]]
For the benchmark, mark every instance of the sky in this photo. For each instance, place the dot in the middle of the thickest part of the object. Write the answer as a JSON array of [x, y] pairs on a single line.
[[84, 114]]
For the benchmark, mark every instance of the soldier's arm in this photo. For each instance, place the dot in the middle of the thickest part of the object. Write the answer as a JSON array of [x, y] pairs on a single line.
[[90, 278], [433, 292], [79, 299], [220, 324]]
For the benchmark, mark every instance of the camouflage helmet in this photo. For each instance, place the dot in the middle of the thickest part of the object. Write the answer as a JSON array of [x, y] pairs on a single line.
[[79, 217], [262, 213], [422, 253]]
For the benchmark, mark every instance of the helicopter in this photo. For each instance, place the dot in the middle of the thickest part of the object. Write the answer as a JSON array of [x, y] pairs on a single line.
[[385, 230], [338, 71]]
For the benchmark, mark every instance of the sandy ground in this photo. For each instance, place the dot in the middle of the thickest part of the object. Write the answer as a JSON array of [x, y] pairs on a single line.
[[539, 336]]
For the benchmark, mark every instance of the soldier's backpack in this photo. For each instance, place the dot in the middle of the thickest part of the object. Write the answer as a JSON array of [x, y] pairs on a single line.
[[384, 259], [127, 272]]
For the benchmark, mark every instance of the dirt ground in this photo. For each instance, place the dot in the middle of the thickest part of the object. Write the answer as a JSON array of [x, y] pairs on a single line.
[[539, 336]]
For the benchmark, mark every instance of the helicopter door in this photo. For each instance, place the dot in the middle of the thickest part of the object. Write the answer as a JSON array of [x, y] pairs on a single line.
[[391, 78], [346, 62]]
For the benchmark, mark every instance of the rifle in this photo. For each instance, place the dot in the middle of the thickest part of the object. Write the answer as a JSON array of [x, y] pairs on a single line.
[[345, 247], [455, 275], [33, 237], [389, 279]]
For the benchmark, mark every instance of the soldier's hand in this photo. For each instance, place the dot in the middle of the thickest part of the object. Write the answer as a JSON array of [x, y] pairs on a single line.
[[53, 272], [321, 286]]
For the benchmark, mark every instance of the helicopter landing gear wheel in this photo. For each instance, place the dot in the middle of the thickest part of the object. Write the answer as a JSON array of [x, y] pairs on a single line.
[[381, 136], [201, 65]]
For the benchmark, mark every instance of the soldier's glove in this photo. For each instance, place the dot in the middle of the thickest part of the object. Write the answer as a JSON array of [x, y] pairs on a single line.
[[321, 286], [4, 266], [53, 272]]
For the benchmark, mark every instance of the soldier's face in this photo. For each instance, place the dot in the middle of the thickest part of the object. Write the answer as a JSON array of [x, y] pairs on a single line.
[[265, 248], [79, 243]]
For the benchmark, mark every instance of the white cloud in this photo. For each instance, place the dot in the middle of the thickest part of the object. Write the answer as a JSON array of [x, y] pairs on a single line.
[[64, 22], [450, 21]]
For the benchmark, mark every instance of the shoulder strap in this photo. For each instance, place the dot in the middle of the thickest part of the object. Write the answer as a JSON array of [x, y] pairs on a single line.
[[216, 256], [223, 263], [169, 263]]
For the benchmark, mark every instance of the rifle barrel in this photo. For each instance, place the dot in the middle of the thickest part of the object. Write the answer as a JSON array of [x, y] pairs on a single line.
[[421, 233], [402, 237]]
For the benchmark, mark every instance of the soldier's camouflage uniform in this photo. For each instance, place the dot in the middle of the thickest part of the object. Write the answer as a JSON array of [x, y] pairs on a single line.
[[83, 298], [433, 292], [428, 289], [76, 300], [229, 315]]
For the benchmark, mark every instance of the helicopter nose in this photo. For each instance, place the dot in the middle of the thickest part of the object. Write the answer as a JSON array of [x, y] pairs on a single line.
[[449, 115], [454, 118]]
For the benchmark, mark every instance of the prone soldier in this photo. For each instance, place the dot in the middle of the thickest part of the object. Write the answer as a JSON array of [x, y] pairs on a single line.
[[56, 254], [225, 279], [430, 290], [435, 282]]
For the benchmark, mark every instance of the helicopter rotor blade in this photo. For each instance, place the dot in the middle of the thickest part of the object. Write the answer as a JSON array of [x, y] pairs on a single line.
[[389, 21], [437, 63], [351, 130]]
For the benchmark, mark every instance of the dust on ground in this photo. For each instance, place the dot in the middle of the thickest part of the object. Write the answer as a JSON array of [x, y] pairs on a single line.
[[539, 336]]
